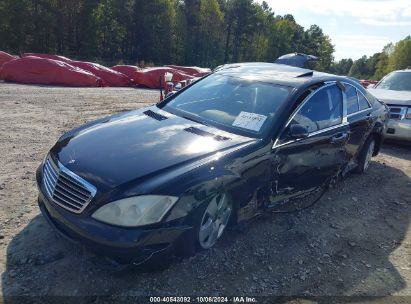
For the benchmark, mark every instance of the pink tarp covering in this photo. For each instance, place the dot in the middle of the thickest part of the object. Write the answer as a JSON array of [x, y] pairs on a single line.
[[193, 70], [150, 77], [367, 83], [110, 77], [4, 58], [35, 70], [117, 76], [48, 56], [129, 70]]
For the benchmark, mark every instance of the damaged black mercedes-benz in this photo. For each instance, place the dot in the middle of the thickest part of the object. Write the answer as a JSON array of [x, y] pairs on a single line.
[[247, 139]]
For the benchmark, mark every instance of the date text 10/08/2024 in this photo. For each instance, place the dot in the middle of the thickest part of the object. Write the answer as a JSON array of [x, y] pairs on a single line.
[[203, 300]]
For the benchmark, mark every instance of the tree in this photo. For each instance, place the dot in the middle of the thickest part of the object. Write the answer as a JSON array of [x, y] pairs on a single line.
[[188, 32], [242, 10], [154, 24], [359, 69], [15, 14], [109, 31], [191, 10], [381, 67], [401, 56], [342, 67], [318, 44], [210, 39]]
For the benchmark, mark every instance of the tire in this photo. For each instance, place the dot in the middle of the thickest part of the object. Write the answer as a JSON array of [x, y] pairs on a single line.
[[191, 242], [212, 222], [366, 153]]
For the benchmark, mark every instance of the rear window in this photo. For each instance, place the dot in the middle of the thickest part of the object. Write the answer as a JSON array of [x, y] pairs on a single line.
[[352, 99], [363, 102]]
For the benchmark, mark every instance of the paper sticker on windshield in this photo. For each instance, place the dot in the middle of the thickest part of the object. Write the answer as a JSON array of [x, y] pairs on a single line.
[[250, 121]]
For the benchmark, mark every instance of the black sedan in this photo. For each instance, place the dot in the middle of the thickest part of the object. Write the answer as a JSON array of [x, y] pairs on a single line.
[[247, 139]]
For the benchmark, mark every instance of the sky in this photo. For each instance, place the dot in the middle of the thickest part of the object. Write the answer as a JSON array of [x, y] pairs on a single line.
[[356, 27]]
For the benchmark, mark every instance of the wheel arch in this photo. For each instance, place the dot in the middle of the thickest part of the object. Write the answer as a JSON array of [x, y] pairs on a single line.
[[377, 134]]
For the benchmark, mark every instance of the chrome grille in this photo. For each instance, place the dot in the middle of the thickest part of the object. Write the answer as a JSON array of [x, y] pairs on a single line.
[[397, 112], [65, 188]]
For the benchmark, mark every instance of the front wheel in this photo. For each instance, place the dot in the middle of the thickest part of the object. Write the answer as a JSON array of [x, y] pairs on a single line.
[[213, 221], [364, 158]]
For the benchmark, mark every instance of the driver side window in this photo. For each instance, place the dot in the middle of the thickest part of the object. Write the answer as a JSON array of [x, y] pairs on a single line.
[[324, 109]]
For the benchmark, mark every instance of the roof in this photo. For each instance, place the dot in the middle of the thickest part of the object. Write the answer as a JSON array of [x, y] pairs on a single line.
[[276, 73]]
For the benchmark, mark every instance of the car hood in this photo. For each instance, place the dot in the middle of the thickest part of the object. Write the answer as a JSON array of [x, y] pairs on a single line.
[[137, 144], [392, 97]]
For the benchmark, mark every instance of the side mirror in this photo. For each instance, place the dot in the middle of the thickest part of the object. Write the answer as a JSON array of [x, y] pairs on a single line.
[[298, 131]]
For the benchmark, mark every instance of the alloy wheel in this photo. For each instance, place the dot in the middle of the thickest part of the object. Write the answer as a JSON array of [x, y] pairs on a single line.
[[214, 221]]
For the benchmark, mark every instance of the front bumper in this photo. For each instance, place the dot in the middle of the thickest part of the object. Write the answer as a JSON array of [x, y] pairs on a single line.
[[124, 246], [398, 129]]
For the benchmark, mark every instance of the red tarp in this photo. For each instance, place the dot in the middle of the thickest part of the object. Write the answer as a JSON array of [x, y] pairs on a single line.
[[48, 56], [193, 70], [150, 77], [4, 58], [35, 70], [129, 70], [117, 76], [367, 83], [110, 77]]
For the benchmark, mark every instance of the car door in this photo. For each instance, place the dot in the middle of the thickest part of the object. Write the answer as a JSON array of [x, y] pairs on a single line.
[[302, 165], [359, 118]]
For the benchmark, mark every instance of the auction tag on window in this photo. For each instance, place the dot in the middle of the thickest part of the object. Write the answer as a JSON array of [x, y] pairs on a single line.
[[250, 121]]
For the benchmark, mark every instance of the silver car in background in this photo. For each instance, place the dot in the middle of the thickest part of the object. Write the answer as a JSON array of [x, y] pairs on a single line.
[[395, 91]]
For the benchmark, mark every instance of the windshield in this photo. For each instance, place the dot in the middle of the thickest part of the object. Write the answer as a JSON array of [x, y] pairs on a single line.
[[236, 104], [397, 81]]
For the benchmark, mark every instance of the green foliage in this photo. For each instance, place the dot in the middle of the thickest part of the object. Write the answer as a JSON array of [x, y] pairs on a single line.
[[360, 68], [401, 56], [320, 45], [392, 57], [211, 20], [342, 67], [198, 32], [381, 66], [189, 32], [109, 32]]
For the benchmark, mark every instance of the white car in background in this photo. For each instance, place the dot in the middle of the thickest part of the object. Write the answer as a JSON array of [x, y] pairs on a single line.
[[395, 91]]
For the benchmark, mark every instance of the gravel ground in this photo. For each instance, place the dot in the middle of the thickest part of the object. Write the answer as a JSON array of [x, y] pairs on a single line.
[[355, 241]]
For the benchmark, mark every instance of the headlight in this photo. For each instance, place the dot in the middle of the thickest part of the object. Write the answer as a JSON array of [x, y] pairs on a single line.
[[135, 211]]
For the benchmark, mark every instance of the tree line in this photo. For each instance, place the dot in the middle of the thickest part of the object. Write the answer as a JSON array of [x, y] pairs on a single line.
[[189, 32], [392, 57]]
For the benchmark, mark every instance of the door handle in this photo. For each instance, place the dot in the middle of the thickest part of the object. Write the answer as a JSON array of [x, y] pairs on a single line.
[[339, 138]]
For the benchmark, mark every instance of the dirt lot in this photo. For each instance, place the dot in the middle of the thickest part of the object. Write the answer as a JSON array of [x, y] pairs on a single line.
[[355, 241]]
